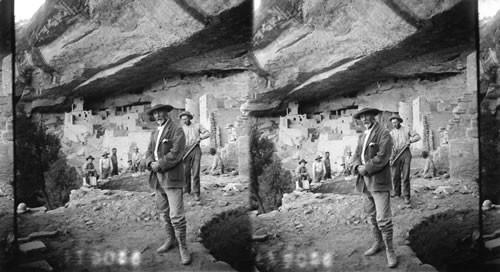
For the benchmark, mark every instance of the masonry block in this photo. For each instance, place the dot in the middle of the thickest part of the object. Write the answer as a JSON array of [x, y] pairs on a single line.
[[41, 265], [8, 135], [493, 245], [32, 247], [6, 88], [472, 133], [471, 73], [42, 234]]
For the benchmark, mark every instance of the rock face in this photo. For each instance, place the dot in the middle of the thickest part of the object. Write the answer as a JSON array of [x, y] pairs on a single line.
[[98, 48], [304, 50], [313, 49]]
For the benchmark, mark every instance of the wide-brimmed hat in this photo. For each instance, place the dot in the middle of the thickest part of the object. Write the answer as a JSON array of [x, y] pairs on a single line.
[[396, 116], [158, 107], [366, 110], [302, 161], [318, 157], [187, 113], [22, 208], [105, 153], [89, 157]]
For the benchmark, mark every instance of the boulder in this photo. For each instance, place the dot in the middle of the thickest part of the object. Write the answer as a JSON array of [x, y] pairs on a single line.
[[447, 190]]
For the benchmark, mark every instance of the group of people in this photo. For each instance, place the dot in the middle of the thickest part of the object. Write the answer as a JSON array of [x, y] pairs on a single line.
[[380, 159], [321, 170], [173, 157], [382, 162], [108, 167]]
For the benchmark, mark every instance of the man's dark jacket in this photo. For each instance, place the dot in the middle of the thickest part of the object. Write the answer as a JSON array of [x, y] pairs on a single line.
[[377, 155], [170, 153]]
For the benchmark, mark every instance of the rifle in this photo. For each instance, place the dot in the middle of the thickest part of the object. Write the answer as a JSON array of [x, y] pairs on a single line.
[[189, 151], [391, 162]]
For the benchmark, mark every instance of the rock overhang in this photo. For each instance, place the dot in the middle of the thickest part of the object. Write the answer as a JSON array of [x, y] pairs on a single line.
[[309, 55], [433, 42], [92, 55]]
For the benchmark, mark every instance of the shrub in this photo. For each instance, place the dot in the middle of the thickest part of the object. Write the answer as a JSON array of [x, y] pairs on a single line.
[[273, 183], [37, 152], [489, 150], [261, 155], [268, 180], [60, 180]]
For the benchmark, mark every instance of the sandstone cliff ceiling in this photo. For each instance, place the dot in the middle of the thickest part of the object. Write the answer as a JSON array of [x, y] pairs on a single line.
[[304, 49], [311, 50], [101, 48]]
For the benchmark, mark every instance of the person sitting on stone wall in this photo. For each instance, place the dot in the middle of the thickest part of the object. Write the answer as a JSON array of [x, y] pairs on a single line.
[[318, 170], [302, 176], [89, 170], [105, 165], [217, 167], [429, 170]]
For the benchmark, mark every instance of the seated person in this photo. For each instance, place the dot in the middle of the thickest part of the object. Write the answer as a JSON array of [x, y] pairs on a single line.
[[429, 168], [301, 175], [217, 167], [89, 170]]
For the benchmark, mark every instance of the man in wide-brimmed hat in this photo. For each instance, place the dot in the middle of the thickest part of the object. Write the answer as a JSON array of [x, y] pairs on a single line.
[[89, 170], [318, 169], [105, 165], [164, 159], [402, 137], [371, 162], [194, 134], [302, 175]]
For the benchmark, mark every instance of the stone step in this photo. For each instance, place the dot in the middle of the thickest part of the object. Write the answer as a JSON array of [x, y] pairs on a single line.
[[42, 265], [42, 234], [32, 247], [493, 245], [492, 235]]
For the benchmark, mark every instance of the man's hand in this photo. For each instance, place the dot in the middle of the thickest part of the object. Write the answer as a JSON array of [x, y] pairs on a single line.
[[155, 166], [362, 170]]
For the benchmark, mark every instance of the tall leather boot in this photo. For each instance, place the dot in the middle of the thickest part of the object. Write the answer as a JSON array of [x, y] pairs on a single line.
[[170, 240], [378, 244], [180, 234], [387, 234]]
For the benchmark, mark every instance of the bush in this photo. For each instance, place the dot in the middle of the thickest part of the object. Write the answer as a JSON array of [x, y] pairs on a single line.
[[37, 153], [268, 180], [60, 180], [273, 183], [490, 167], [261, 155]]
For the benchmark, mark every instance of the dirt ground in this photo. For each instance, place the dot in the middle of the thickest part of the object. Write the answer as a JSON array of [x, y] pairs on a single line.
[[117, 229], [328, 232]]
